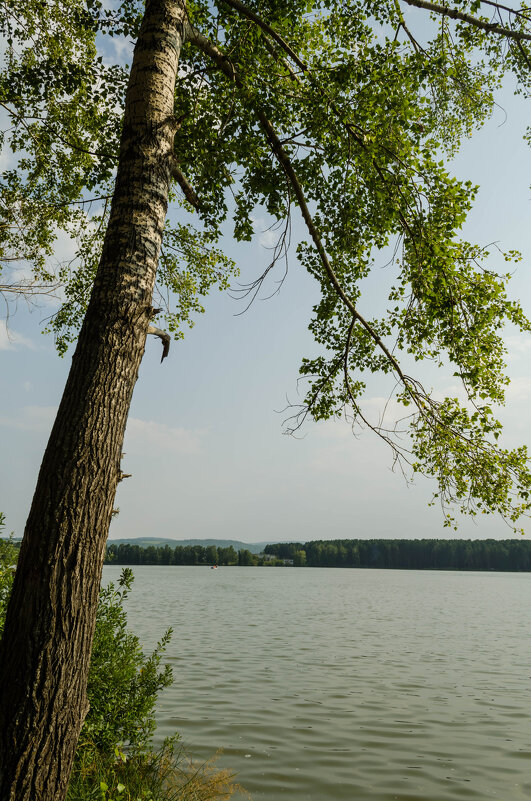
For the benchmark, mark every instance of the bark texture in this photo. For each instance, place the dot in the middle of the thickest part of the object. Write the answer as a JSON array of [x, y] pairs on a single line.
[[45, 651]]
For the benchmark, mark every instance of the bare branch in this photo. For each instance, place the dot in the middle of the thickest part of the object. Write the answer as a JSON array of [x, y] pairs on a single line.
[[518, 12], [453, 13], [30, 289], [183, 182], [164, 337]]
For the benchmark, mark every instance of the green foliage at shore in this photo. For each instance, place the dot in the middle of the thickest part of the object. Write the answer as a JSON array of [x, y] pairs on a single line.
[[8, 561], [124, 683], [115, 758], [425, 554]]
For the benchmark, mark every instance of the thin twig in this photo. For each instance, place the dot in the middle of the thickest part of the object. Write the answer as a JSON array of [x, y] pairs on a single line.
[[453, 13]]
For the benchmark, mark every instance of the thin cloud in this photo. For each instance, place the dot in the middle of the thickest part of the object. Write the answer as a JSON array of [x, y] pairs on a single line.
[[518, 346], [12, 340], [159, 436], [268, 239], [31, 418], [519, 390]]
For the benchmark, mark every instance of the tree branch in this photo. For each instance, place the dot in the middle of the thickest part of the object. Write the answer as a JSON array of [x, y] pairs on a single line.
[[453, 13], [246, 12], [357, 135], [186, 187], [164, 337], [431, 416], [213, 52], [516, 11]]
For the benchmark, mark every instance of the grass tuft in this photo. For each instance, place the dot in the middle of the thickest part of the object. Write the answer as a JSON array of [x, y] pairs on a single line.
[[164, 774]]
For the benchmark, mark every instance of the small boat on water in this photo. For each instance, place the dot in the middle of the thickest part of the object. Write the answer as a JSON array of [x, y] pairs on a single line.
[[213, 567]]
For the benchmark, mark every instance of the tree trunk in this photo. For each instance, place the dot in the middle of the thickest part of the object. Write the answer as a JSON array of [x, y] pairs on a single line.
[[45, 651]]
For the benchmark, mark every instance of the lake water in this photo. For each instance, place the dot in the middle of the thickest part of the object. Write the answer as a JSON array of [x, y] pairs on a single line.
[[354, 685]]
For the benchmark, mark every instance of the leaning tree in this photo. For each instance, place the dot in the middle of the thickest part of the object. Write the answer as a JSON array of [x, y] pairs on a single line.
[[335, 111]]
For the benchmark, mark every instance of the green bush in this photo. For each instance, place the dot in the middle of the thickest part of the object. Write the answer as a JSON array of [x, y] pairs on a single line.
[[123, 682], [8, 562], [114, 759]]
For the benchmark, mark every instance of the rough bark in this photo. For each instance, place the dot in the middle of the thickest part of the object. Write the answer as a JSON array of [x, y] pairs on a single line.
[[45, 651]]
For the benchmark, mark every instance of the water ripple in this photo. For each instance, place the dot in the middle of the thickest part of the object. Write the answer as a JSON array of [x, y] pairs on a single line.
[[347, 685]]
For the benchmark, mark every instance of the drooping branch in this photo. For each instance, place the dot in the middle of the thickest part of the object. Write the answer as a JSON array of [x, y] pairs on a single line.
[[30, 288], [24, 121], [454, 13], [354, 132], [412, 387], [247, 12], [518, 12], [298, 191], [214, 53], [442, 431]]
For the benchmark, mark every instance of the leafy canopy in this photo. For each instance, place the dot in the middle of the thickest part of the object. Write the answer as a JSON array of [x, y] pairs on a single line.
[[339, 112]]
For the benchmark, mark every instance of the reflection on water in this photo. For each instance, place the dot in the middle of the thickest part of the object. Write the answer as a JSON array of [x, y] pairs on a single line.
[[362, 685]]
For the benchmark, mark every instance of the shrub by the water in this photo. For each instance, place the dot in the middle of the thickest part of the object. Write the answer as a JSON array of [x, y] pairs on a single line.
[[8, 562], [115, 758], [123, 682]]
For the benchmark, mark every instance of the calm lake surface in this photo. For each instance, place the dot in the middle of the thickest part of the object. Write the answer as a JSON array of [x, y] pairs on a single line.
[[362, 685]]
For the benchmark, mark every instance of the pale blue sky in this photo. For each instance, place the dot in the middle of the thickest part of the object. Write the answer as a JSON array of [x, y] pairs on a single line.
[[204, 443]]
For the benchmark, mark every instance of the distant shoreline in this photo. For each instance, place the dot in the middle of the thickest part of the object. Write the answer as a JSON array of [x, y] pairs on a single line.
[[426, 554]]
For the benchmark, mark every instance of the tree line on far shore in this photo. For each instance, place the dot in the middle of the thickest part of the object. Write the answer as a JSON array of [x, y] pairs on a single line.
[[424, 554]]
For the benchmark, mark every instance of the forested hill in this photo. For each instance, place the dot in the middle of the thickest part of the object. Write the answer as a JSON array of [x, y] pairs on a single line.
[[512, 555]]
